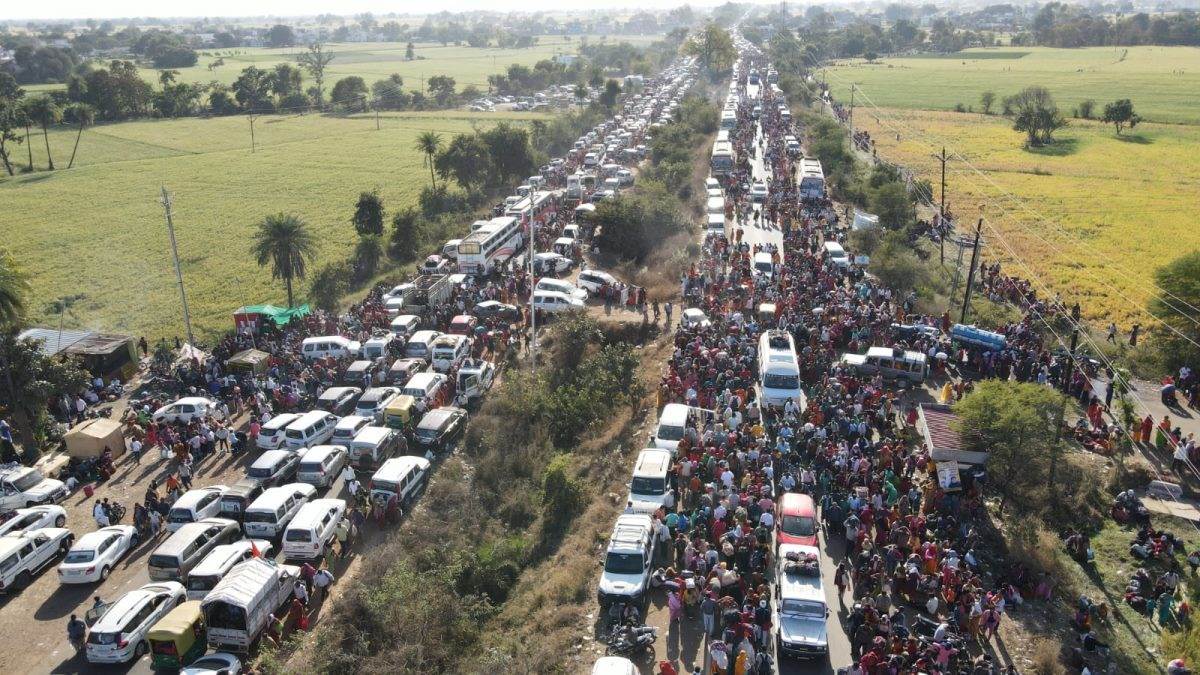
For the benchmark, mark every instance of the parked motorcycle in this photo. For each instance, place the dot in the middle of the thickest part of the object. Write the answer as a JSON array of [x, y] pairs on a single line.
[[626, 640]]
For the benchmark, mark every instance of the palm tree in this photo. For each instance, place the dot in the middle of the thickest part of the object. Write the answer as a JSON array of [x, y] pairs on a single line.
[[85, 115], [429, 143], [45, 112], [14, 285], [581, 93], [285, 243]]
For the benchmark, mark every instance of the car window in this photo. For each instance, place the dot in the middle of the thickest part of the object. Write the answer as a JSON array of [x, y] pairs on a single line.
[[106, 544], [187, 408]]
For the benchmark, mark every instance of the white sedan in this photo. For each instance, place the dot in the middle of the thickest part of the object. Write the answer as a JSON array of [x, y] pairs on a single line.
[[186, 409], [758, 192], [95, 554], [694, 318], [552, 263], [34, 517], [217, 663]]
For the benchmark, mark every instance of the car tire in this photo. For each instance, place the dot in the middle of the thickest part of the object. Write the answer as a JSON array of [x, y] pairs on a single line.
[[104, 572], [140, 650], [60, 521], [23, 579]]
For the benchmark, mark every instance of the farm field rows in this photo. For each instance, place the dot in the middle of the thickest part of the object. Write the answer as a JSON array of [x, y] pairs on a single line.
[[98, 229], [377, 60], [1096, 213]]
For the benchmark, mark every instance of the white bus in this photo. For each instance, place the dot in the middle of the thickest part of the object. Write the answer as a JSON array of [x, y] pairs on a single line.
[[812, 179], [779, 369], [491, 245], [542, 205], [728, 119], [722, 158]]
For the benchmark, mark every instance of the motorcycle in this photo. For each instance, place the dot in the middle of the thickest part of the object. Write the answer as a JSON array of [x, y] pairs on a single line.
[[627, 640]]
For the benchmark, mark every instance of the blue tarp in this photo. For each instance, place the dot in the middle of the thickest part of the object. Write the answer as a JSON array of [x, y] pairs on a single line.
[[979, 337]]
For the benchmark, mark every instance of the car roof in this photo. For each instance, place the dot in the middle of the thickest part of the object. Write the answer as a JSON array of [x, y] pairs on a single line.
[[92, 539], [436, 417], [118, 613]]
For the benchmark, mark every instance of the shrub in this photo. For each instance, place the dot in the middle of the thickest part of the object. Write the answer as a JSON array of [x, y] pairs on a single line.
[[439, 200], [329, 285]]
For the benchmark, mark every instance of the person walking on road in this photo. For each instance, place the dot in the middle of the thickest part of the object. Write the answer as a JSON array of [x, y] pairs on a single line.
[[76, 632], [839, 580]]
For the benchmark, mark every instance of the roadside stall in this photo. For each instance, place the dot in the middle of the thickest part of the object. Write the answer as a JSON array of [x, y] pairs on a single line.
[[89, 438], [253, 318], [250, 361]]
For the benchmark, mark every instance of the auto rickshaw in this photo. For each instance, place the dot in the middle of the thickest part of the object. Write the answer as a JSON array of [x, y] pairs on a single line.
[[178, 638], [399, 413]]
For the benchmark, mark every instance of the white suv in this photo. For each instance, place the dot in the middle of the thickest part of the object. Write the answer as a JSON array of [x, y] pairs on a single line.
[[628, 560], [22, 486], [24, 554], [120, 633]]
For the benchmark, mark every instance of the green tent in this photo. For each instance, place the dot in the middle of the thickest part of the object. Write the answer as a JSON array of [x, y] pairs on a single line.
[[280, 315]]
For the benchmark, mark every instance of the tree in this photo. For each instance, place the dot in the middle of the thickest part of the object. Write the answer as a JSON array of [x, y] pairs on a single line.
[[368, 214], [467, 160], [12, 117], [328, 286], [252, 89], [612, 89], [30, 377], [1037, 115], [893, 261], [581, 94], [714, 47], [286, 80], [441, 88], [14, 287], [406, 239], [511, 154], [633, 226], [891, 203], [44, 111], [986, 100], [367, 254], [281, 36], [1179, 282], [1120, 113], [349, 90], [1087, 108], [285, 242], [389, 93], [409, 52], [84, 115], [1015, 424], [315, 61], [429, 144]]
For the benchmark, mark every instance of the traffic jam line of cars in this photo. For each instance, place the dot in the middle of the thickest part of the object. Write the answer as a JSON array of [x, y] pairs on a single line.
[[214, 581]]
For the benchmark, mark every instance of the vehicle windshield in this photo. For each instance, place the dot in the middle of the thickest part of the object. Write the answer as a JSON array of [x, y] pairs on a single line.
[[260, 471], [384, 486], [310, 467], [623, 563], [643, 485], [27, 481], [804, 607], [80, 557], [670, 433], [179, 516], [427, 434], [259, 517], [195, 583], [298, 535], [163, 561], [776, 381], [798, 526]]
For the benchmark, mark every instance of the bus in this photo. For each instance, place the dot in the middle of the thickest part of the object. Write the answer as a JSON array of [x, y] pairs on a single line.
[[728, 119], [543, 205], [812, 179], [779, 370], [722, 158], [491, 245]]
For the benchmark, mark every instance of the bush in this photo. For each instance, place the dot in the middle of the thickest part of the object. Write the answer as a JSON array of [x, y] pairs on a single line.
[[562, 499], [632, 226], [439, 200], [328, 286], [405, 240]]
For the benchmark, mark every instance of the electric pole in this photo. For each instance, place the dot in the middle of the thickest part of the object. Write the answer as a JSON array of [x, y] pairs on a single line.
[[971, 274], [187, 317], [1066, 395], [250, 116], [942, 205], [851, 118]]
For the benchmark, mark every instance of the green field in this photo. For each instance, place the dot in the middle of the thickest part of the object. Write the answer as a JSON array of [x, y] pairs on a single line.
[[1096, 214], [376, 60], [98, 229], [1162, 81]]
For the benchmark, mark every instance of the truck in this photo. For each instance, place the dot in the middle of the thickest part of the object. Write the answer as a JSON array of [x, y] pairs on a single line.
[[475, 377], [239, 609], [429, 290]]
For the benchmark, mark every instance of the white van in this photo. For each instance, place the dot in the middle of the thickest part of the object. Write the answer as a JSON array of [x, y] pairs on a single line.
[[374, 401], [347, 428], [312, 428], [450, 249], [402, 477], [271, 435], [763, 265], [378, 347], [837, 254], [374, 445], [330, 345], [320, 466], [779, 370], [419, 344], [194, 505], [716, 205], [650, 488], [449, 351], [716, 223], [405, 325], [312, 530], [672, 424], [268, 515], [205, 576]]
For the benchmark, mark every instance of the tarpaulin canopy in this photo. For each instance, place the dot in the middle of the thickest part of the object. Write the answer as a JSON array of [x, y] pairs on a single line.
[[280, 315], [90, 437]]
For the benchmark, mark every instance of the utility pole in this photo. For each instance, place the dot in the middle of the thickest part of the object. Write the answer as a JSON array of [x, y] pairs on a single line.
[[961, 243], [187, 317], [1066, 395], [377, 116], [532, 308], [250, 116], [942, 205], [851, 118], [971, 274]]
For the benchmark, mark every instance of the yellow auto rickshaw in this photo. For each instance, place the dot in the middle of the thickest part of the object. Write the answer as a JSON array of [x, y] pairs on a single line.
[[178, 638], [398, 414]]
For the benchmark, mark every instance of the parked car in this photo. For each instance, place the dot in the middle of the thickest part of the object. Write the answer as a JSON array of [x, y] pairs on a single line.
[[24, 486], [35, 517], [440, 428], [758, 192], [93, 557], [694, 317], [551, 264], [119, 635], [25, 554], [187, 409], [493, 309]]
